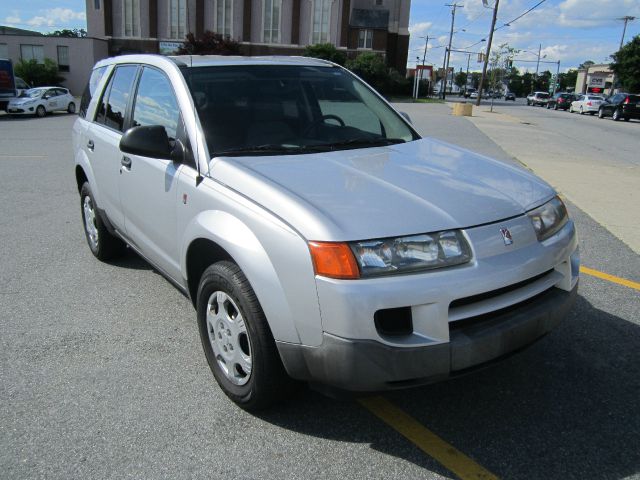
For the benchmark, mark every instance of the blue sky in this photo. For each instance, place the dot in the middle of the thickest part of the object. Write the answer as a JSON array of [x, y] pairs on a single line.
[[569, 30]]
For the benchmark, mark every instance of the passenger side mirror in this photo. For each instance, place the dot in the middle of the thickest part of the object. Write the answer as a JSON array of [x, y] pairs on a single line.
[[147, 141], [407, 117]]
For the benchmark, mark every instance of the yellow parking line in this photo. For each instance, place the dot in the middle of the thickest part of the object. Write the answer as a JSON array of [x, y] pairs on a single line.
[[610, 278], [425, 440]]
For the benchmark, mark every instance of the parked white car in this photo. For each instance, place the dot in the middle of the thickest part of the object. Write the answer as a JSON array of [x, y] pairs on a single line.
[[42, 100], [586, 104]]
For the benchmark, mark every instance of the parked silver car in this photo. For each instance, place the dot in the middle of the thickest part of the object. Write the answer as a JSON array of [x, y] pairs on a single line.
[[317, 235], [586, 104], [42, 100]]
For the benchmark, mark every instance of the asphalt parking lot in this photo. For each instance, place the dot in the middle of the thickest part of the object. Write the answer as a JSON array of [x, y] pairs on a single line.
[[103, 375]]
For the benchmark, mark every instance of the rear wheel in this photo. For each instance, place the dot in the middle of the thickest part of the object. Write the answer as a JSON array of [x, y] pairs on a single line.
[[616, 115], [40, 111], [102, 244], [555, 107], [71, 108], [581, 110], [626, 119], [236, 338]]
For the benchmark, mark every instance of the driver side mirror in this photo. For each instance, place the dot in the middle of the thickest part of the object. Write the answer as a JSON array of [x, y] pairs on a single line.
[[147, 141]]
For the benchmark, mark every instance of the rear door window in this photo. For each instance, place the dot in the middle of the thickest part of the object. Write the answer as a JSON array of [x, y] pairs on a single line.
[[111, 112]]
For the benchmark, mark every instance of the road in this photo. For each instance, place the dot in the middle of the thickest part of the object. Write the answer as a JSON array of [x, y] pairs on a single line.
[[593, 162], [103, 375]]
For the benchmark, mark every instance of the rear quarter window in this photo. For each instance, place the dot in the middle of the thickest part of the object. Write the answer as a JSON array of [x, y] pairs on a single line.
[[90, 90]]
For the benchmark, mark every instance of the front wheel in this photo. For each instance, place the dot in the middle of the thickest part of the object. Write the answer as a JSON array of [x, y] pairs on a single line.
[[41, 111], [236, 338], [600, 113], [71, 108]]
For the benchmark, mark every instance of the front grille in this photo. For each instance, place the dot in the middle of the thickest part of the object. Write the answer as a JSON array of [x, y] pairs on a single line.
[[494, 293], [491, 302]]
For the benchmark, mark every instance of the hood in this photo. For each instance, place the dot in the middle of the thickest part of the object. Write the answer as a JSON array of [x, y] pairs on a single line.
[[415, 187], [21, 101]]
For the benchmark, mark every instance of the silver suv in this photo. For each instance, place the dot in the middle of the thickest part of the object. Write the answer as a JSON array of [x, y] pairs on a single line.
[[318, 236]]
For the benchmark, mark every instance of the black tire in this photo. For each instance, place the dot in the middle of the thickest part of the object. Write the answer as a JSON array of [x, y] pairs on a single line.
[[601, 113], [268, 381], [581, 110], [106, 246], [41, 111], [592, 113], [626, 119], [555, 107], [616, 115], [71, 108], [548, 106]]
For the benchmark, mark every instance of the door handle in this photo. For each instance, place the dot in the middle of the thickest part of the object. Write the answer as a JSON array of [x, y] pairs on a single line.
[[125, 162], [90, 145]]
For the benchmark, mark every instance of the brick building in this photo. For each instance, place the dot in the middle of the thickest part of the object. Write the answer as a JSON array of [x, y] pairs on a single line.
[[263, 27]]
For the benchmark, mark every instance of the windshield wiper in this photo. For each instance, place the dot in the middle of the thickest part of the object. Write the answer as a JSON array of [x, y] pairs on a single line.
[[363, 142], [265, 149]]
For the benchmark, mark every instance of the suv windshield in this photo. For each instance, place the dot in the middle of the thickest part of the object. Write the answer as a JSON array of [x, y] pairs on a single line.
[[266, 109], [33, 93]]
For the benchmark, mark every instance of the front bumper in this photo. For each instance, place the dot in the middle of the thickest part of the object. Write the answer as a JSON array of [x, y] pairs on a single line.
[[368, 365]]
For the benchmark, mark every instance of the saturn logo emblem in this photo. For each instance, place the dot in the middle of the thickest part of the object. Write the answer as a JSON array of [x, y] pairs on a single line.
[[506, 236]]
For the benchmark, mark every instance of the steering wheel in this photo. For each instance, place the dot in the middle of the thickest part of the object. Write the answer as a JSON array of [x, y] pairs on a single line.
[[322, 119]]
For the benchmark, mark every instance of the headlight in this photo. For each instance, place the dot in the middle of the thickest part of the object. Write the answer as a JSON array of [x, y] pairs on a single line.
[[549, 218], [414, 253]]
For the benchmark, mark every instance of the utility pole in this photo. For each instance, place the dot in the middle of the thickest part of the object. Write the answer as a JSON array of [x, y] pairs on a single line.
[[424, 58], [626, 18], [447, 53], [557, 82], [466, 83], [538, 62], [486, 60]]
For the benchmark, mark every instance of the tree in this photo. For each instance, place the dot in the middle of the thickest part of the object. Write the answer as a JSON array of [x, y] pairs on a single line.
[[38, 74], [626, 65], [371, 68], [460, 79], [325, 51], [209, 43], [586, 64], [568, 80], [65, 32]]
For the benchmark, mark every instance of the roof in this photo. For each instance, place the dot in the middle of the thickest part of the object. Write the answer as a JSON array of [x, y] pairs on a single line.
[[17, 31], [369, 18], [211, 60]]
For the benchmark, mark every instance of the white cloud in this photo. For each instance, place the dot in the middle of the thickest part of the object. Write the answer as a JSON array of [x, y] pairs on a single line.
[[56, 17], [13, 19], [420, 29]]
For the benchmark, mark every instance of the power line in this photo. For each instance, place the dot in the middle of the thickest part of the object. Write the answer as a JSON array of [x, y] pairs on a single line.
[[508, 24]]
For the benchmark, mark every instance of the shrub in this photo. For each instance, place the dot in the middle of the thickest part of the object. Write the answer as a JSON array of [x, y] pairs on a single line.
[[325, 51], [38, 74], [209, 43]]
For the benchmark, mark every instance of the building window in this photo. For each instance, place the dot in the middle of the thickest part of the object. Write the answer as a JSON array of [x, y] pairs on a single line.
[[96, 4], [32, 52], [365, 38], [272, 9], [321, 13], [178, 18], [4, 50], [223, 17], [63, 58], [131, 18]]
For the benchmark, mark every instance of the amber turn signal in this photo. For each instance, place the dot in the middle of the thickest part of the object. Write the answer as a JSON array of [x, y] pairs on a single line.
[[334, 260]]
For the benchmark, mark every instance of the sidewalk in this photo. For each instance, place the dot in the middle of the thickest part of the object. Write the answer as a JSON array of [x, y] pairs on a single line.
[[597, 180]]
